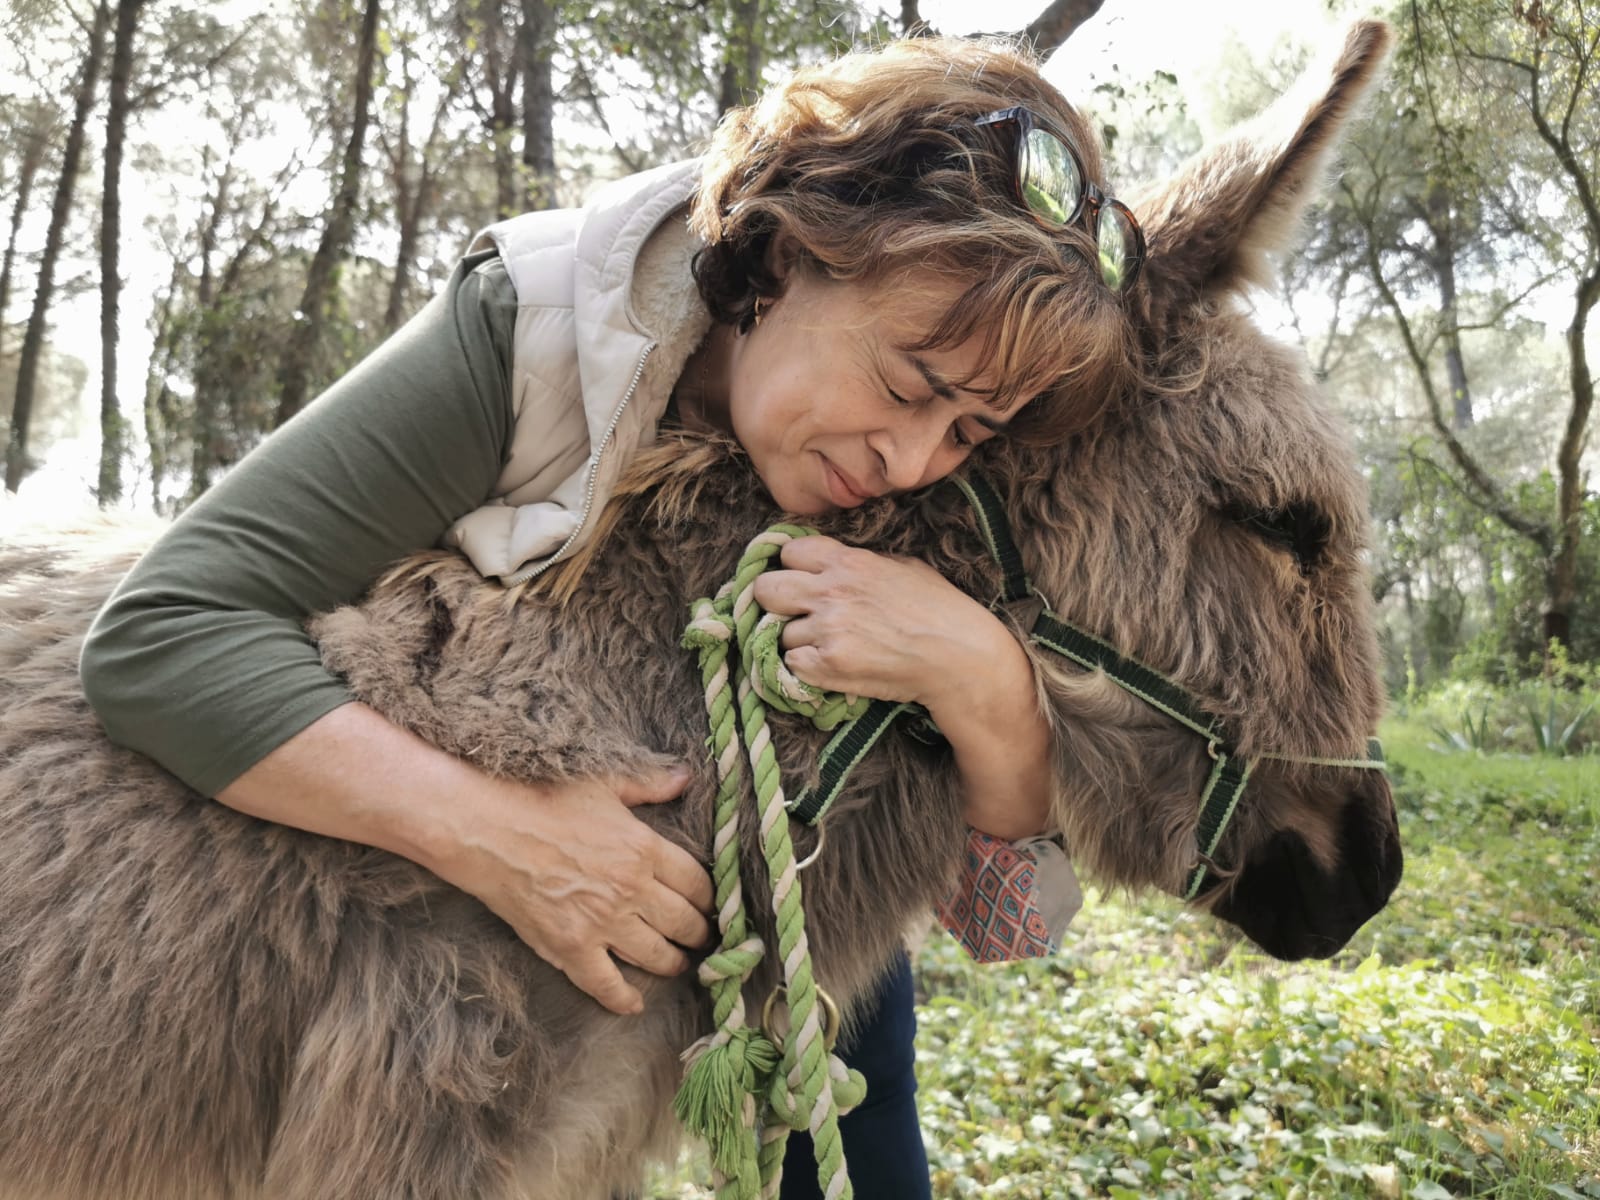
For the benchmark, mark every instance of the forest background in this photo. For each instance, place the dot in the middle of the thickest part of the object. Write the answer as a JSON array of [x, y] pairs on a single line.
[[268, 190]]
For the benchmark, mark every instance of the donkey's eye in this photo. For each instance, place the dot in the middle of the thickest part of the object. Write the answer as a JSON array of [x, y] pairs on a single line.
[[1302, 529]]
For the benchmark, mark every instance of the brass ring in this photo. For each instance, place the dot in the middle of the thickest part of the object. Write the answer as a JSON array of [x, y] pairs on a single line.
[[830, 1018]]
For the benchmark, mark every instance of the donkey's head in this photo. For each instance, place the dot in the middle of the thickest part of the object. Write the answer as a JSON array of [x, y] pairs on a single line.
[[1213, 529]]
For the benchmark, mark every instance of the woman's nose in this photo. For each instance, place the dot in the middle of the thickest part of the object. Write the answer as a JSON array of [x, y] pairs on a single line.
[[908, 451]]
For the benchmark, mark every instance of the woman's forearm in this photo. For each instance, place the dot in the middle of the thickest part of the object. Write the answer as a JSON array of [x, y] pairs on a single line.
[[568, 866], [1001, 740], [352, 774]]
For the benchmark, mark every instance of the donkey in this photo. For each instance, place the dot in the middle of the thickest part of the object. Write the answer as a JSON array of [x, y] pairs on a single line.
[[196, 1004]]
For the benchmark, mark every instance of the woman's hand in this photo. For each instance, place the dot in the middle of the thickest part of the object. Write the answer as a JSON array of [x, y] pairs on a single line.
[[872, 625], [895, 629], [580, 878], [567, 866]]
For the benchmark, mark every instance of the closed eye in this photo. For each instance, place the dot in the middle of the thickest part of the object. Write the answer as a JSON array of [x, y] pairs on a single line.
[[1301, 528]]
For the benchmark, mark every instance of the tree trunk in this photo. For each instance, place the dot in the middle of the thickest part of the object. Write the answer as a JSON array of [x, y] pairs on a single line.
[[112, 427], [395, 308], [33, 339], [412, 208], [502, 121], [205, 407], [33, 151], [1570, 486], [538, 104], [412, 202], [400, 162], [294, 372], [1442, 261], [1059, 21], [158, 388], [742, 57]]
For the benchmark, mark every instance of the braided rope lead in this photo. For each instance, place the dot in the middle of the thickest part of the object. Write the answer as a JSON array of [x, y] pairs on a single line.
[[739, 1092]]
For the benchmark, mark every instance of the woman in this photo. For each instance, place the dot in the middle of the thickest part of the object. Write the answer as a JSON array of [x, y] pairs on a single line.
[[878, 267]]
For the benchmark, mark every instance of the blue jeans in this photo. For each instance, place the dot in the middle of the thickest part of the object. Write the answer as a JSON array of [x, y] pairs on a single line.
[[882, 1140]]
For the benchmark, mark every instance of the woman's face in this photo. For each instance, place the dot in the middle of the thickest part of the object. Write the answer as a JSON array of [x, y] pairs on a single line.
[[833, 413]]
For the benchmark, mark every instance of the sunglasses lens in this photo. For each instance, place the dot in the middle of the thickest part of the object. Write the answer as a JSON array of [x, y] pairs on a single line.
[[1118, 245], [1052, 185]]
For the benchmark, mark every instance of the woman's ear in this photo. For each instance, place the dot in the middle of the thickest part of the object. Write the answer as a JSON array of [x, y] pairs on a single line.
[[1212, 226], [782, 254], [777, 261]]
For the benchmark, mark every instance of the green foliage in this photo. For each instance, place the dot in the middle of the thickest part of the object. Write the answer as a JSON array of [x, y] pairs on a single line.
[[1470, 734], [1551, 714], [1451, 1050], [1453, 247], [1555, 734], [59, 410]]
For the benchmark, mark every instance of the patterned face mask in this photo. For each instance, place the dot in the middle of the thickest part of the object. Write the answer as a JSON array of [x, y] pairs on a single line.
[[1013, 900]]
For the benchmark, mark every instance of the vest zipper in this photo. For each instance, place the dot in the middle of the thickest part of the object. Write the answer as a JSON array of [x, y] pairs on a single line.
[[539, 568]]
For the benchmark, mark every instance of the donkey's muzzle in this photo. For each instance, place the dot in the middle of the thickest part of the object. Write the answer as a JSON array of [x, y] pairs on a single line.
[[1293, 907]]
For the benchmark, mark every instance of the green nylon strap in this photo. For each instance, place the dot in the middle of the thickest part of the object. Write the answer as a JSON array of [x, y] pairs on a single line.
[[1221, 796], [996, 530], [1373, 761], [1150, 686], [844, 750], [1228, 776], [1228, 779]]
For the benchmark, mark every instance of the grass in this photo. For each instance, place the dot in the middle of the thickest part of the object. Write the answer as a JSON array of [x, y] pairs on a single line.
[[1453, 1049]]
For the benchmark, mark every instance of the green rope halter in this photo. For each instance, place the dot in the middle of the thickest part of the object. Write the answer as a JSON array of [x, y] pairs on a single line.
[[741, 1091]]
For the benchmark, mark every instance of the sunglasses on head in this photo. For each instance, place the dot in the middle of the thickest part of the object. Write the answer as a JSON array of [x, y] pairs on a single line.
[[1050, 181]]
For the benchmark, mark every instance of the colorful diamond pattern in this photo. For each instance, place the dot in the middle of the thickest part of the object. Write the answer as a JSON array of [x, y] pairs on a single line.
[[991, 912]]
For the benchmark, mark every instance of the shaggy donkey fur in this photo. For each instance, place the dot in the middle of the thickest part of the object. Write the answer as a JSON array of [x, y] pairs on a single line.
[[197, 1004]]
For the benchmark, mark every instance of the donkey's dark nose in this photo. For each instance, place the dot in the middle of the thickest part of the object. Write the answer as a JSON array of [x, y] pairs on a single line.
[[1293, 908]]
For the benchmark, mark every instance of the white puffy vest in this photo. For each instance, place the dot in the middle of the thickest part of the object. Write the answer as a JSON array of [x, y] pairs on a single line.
[[607, 315]]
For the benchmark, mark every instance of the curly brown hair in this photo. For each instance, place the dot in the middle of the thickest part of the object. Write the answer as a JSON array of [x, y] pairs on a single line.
[[870, 167]]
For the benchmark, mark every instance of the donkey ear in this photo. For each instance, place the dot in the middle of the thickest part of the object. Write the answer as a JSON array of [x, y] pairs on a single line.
[[1211, 227]]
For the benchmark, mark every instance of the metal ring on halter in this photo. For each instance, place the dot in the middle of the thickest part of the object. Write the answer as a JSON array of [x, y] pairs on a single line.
[[830, 1018], [1211, 749], [822, 836]]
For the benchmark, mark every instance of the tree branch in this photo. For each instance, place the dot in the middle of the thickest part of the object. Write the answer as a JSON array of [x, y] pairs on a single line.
[[1494, 500], [1059, 21], [151, 95], [591, 98]]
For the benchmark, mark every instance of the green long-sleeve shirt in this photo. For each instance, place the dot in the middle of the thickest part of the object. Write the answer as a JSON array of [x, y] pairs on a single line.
[[200, 659]]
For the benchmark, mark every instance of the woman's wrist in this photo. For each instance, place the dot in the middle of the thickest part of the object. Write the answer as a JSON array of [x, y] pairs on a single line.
[[989, 712], [986, 677]]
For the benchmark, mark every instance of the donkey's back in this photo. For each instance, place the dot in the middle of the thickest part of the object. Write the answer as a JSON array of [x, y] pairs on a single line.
[[194, 1003]]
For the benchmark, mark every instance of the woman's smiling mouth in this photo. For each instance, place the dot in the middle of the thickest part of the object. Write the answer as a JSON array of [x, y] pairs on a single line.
[[840, 490]]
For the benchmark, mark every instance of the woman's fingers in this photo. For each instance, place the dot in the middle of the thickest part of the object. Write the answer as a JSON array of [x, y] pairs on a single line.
[[674, 866], [596, 973], [674, 917], [646, 949], [811, 554], [787, 593], [682, 872], [656, 788]]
